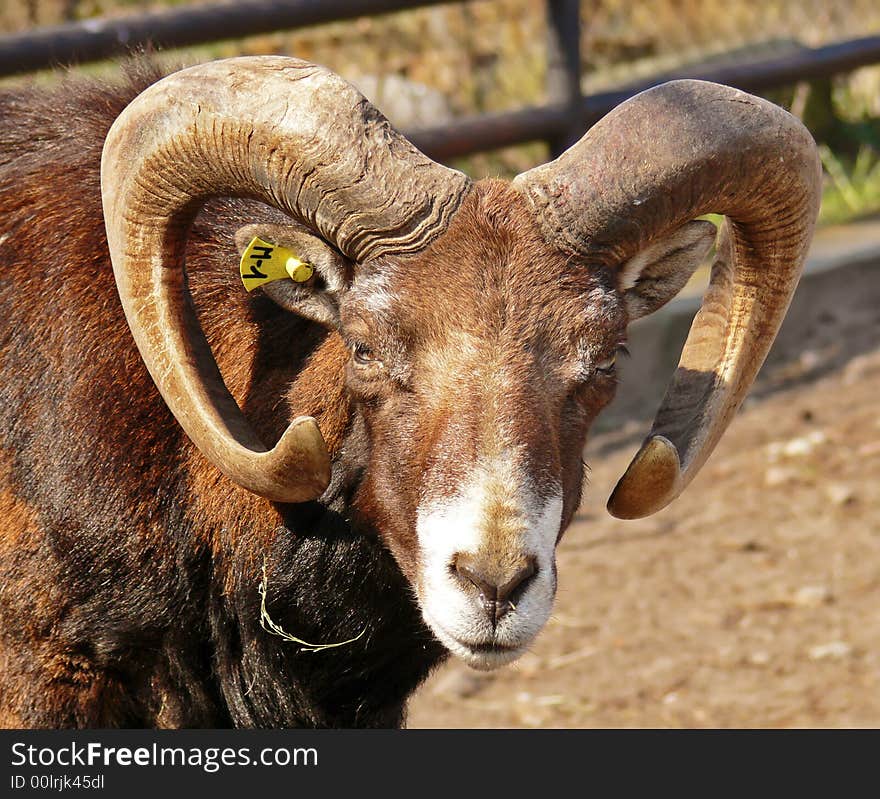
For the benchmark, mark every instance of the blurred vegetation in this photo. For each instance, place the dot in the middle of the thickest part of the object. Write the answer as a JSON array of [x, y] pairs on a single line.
[[429, 65], [853, 187]]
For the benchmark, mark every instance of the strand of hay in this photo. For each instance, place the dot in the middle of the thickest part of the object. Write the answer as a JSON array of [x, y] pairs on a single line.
[[270, 626]]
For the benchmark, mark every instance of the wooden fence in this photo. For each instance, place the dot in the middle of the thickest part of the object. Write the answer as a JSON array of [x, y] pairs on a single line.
[[566, 116]]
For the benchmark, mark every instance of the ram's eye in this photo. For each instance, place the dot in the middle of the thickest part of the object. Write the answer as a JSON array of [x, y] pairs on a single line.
[[607, 366], [362, 354]]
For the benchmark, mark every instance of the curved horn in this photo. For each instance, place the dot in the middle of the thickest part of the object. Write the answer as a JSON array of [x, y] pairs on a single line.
[[667, 155], [292, 135]]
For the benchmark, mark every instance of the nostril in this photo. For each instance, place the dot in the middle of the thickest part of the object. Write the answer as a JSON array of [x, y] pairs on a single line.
[[516, 584], [499, 591], [467, 570]]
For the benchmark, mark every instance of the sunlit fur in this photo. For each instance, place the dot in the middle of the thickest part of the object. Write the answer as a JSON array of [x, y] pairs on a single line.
[[477, 400], [129, 566]]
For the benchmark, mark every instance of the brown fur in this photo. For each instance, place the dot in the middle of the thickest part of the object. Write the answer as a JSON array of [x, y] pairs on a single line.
[[488, 319], [85, 441], [129, 565]]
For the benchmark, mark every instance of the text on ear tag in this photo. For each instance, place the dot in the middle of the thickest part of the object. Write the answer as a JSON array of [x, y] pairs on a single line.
[[263, 262]]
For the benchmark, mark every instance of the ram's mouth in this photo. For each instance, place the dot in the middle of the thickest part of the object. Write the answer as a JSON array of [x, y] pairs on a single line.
[[480, 655], [486, 657], [489, 661]]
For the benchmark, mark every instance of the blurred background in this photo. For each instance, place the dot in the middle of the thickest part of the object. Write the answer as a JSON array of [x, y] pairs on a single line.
[[753, 600]]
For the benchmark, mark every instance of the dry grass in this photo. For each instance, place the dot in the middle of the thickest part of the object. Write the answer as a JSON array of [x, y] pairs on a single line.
[[270, 626]]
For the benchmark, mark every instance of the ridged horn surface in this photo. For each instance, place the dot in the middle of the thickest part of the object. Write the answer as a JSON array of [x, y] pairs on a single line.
[[296, 137], [660, 159]]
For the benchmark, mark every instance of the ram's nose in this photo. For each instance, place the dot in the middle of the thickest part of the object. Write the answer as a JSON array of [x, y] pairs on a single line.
[[498, 587]]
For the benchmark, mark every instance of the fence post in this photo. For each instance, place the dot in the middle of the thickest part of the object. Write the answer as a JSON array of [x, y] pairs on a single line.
[[564, 69]]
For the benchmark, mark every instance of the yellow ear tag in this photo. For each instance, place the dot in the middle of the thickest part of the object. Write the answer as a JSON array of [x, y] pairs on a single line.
[[263, 262]]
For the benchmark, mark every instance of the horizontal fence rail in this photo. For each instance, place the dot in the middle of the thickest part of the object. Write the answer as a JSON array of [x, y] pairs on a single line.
[[97, 39], [491, 131], [567, 115]]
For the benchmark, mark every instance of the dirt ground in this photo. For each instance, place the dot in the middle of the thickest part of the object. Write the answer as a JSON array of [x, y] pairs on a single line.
[[752, 601]]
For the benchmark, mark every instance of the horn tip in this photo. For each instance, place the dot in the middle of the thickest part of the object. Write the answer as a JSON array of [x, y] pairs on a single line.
[[650, 483], [304, 460]]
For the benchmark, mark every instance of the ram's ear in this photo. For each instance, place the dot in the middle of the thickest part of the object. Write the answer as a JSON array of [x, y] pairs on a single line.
[[313, 289], [655, 275]]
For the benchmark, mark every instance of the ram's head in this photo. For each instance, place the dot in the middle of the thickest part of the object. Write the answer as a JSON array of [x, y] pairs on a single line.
[[482, 319]]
